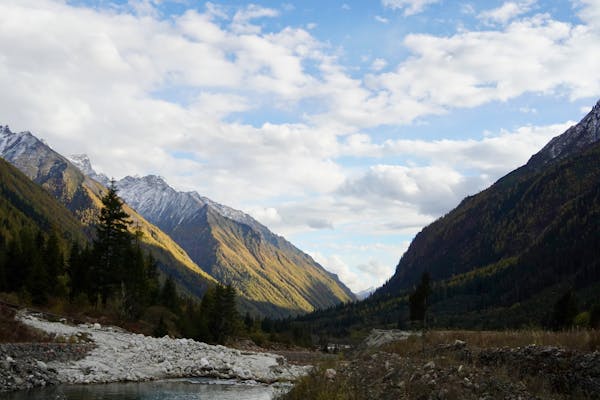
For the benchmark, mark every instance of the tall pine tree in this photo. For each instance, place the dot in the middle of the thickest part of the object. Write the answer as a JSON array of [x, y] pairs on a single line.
[[417, 301], [112, 242]]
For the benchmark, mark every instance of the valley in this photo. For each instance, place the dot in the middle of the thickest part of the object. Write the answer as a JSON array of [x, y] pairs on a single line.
[[355, 200]]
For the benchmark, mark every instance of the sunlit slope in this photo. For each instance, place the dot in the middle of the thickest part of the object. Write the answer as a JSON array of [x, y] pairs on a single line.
[[273, 277], [25, 205], [272, 274], [81, 195]]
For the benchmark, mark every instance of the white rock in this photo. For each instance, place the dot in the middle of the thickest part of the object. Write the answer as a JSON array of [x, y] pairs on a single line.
[[120, 355], [330, 373]]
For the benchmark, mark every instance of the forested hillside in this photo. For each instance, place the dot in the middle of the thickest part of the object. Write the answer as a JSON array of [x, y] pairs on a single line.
[[522, 252], [82, 196]]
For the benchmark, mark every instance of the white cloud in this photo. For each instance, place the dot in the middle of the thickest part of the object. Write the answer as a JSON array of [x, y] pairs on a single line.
[[267, 216], [410, 7], [241, 22], [336, 265], [467, 9], [468, 69], [506, 11], [433, 190], [377, 270], [378, 64], [589, 11], [381, 19], [449, 170], [528, 110], [357, 278]]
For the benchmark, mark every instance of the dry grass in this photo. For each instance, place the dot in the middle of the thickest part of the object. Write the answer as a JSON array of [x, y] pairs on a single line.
[[316, 386], [582, 340], [12, 331], [399, 370]]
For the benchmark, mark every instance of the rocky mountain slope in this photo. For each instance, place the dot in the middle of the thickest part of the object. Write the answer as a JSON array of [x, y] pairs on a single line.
[[575, 140], [504, 257], [81, 195], [520, 242], [25, 205], [234, 248], [185, 230], [510, 216]]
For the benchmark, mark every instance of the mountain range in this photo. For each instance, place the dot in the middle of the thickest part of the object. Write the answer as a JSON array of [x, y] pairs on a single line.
[[82, 196], [196, 241], [273, 275], [500, 259]]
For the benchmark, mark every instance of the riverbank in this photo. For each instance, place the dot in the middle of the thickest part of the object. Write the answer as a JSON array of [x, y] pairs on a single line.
[[25, 365], [114, 355], [462, 365]]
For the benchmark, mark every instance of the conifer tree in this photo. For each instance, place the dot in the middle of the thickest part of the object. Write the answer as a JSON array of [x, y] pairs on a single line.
[[229, 311], [112, 241], [418, 299], [168, 295], [3, 259], [161, 329], [54, 260], [37, 283], [564, 311]]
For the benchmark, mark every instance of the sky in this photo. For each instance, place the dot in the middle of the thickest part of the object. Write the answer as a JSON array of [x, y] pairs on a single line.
[[345, 126]]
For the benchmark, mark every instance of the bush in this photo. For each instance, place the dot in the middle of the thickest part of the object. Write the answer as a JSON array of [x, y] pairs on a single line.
[[582, 320]]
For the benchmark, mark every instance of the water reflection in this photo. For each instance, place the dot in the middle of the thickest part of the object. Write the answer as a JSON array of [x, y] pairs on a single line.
[[180, 389]]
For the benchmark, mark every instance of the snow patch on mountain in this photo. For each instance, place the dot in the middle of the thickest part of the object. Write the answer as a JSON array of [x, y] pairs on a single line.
[[82, 161], [152, 197], [16, 146], [576, 139]]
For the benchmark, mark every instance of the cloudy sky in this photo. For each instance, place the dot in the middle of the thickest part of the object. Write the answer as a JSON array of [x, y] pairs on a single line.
[[345, 126]]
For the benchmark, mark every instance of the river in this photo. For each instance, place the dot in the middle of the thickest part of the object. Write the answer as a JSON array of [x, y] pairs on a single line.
[[174, 389]]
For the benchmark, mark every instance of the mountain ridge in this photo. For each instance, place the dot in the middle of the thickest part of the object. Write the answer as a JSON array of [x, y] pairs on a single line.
[[463, 224], [575, 139], [213, 241], [236, 249], [504, 257], [82, 196]]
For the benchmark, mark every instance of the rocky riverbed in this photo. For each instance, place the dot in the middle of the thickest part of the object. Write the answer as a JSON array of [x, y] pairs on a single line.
[[461, 372], [113, 355], [456, 369], [25, 365]]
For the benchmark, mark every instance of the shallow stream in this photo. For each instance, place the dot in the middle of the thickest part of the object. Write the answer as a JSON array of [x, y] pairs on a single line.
[[174, 389]]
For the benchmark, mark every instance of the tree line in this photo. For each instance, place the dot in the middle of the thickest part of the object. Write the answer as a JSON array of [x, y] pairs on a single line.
[[111, 274]]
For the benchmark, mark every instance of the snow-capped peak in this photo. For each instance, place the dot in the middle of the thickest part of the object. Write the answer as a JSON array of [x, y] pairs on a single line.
[[574, 140], [82, 161], [162, 205], [15, 145]]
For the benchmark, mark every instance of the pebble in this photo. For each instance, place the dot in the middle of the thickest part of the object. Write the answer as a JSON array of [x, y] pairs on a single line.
[[429, 365], [26, 367], [330, 373]]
